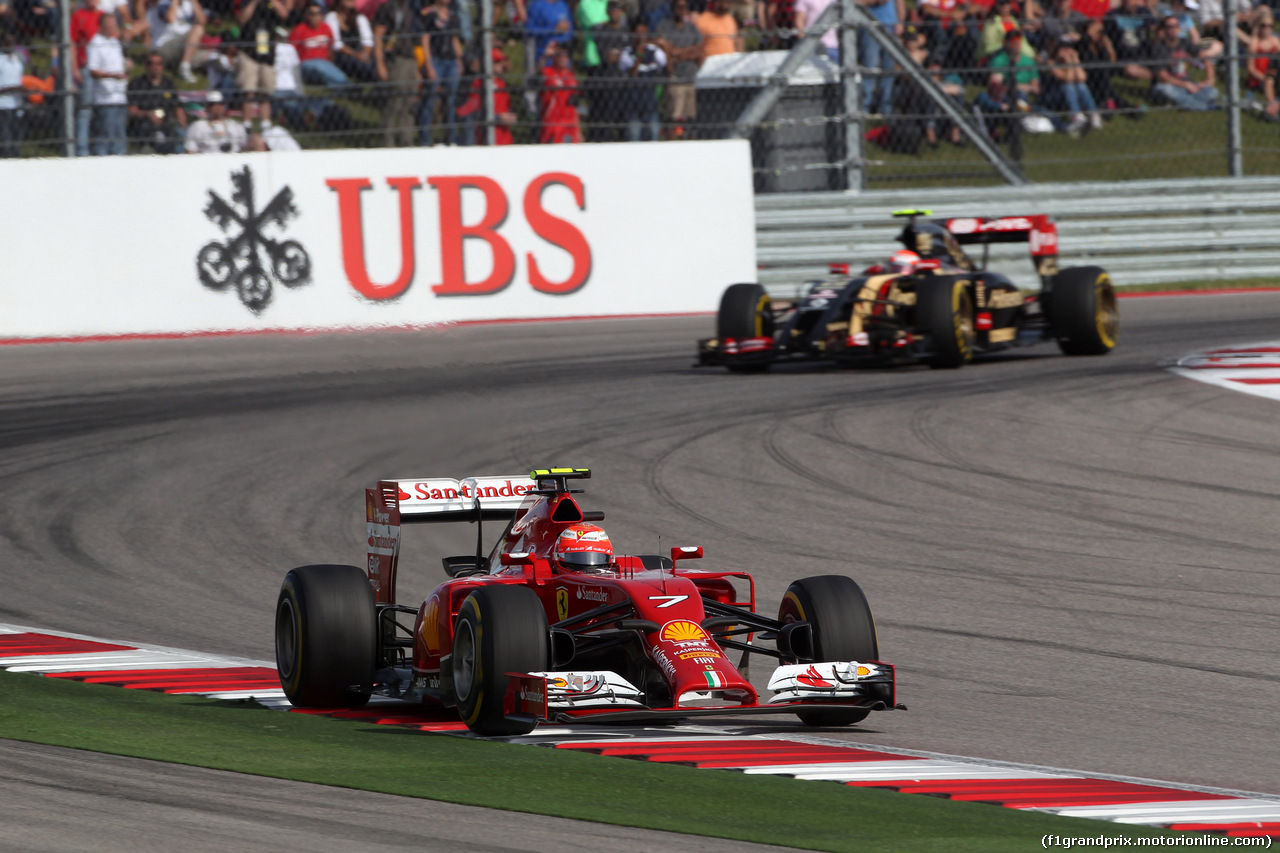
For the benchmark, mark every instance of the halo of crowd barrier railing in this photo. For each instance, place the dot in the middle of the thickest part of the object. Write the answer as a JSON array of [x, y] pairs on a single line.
[[1144, 232]]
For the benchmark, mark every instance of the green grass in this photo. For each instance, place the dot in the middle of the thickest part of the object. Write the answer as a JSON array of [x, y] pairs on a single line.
[[245, 738]]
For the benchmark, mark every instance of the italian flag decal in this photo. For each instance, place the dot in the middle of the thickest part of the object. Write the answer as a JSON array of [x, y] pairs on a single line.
[[714, 679]]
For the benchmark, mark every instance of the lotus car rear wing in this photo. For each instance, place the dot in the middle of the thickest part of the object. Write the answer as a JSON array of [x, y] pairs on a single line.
[[395, 502], [1039, 231]]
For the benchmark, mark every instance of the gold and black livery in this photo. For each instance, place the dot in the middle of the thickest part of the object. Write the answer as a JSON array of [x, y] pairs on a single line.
[[942, 309]]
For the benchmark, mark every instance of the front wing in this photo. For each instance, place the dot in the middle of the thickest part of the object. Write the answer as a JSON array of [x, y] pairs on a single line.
[[563, 697]]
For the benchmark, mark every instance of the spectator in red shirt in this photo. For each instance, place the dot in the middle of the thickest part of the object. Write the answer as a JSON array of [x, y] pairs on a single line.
[[471, 112], [84, 26], [313, 40], [559, 98]]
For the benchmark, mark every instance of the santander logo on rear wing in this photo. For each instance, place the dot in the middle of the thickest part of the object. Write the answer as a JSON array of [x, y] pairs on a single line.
[[436, 496], [393, 502]]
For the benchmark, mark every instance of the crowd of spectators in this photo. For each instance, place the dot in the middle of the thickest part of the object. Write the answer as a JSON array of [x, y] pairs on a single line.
[[170, 76]]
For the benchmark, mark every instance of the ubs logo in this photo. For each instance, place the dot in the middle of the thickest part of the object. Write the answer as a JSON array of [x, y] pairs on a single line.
[[250, 260]]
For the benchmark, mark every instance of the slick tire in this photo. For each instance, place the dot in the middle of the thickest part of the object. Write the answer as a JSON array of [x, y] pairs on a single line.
[[745, 312], [843, 630], [944, 312], [499, 629], [1086, 319], [326, 637]]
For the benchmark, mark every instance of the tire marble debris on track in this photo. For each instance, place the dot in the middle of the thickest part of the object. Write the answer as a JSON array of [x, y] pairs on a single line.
[[1122, 800]]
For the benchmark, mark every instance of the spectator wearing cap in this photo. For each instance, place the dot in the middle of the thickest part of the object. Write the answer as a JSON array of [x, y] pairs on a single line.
[[1205, 48], [12, 68], [353, 45], [559, 99], [156, 116], [313, 40], [550, 22], [1128, 26], [395, 38], [683, 43], [110, 73], [1020, 75], [215, 133], [720, 29], [807, 13], [471, 111], [1170, 57], [177, 28], [442, 59], [255, 74]]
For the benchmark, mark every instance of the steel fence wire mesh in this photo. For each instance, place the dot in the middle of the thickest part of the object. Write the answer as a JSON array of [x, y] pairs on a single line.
[[1078, 90]]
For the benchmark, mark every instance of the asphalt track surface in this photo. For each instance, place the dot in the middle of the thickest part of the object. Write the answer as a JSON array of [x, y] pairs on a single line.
[[1073, 561]]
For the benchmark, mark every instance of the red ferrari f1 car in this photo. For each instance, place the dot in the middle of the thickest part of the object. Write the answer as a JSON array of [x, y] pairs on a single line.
[[551, 625], [930, 303]]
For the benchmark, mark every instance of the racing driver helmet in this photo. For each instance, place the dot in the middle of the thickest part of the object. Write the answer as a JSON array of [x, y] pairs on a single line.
[[903, 262], [584, 548]]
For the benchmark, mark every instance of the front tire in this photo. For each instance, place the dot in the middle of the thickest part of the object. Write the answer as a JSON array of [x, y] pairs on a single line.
[[746, 311], [843, 630], [1086, 319], [326, 637], [944, 312], [499, 629]]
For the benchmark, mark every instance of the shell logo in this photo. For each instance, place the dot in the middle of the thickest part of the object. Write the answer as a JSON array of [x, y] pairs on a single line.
[[683, 631], [431, 626]]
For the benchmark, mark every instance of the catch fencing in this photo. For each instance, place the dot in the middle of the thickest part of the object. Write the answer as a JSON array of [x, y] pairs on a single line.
[[847, 119], [1143, 232]]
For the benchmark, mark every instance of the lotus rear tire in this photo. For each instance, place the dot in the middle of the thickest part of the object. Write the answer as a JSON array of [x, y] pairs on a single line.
[[500, 628], [843, 630], [746, 311], [326, 637], [1086, 318], [944, 312]]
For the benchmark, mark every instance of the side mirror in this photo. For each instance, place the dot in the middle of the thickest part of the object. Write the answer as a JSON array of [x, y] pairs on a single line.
[[516, 558], [686, 552]]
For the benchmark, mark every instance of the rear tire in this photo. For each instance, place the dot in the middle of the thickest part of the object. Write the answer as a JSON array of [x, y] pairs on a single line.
[[745, 312], [944, 312], [326, 637], [500, 628], [1086, 319], [843, 630]]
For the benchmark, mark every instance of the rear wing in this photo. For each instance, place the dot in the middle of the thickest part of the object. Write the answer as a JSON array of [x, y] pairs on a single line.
[[395, 502], [440, 499], [1039, 231]]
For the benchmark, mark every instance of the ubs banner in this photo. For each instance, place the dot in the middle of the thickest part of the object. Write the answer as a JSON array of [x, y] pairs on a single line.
[[318, 239]]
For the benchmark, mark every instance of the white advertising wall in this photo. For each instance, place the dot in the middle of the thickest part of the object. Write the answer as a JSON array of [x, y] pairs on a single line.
[[342, 239]]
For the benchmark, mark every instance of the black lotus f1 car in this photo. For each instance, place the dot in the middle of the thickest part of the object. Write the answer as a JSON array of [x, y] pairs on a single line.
[[932, 303]]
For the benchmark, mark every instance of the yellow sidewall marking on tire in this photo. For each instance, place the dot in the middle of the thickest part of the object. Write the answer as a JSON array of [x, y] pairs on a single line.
[[761, 304], [957, 299], [1101, 311]]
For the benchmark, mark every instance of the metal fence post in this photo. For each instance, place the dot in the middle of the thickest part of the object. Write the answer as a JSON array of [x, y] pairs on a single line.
[[66, 60], [1235, 154], [486, 45], [851, 83]]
